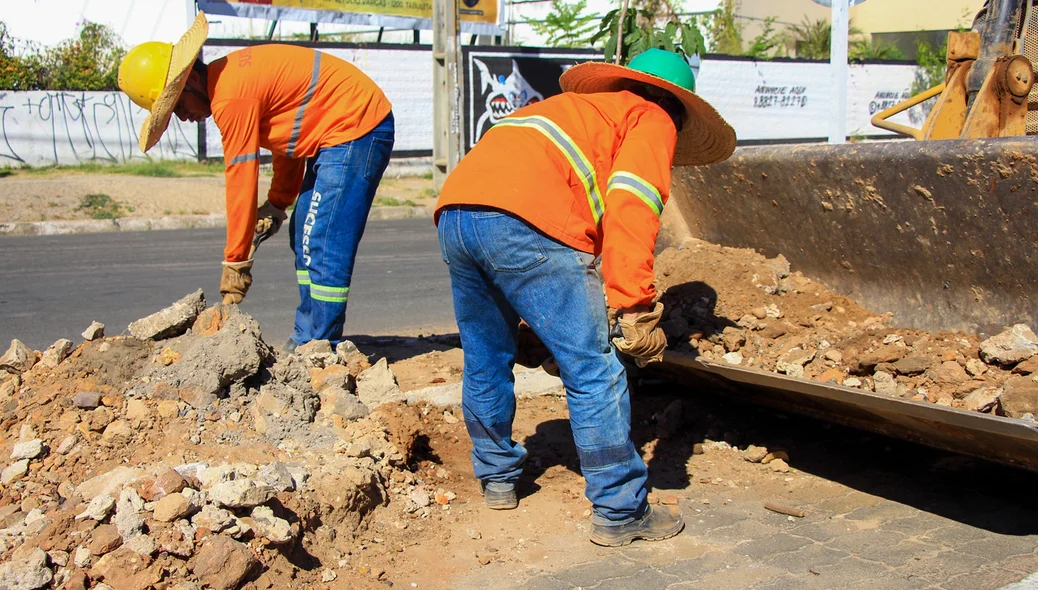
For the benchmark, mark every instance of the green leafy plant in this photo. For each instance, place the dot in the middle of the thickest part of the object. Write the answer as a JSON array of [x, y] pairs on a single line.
[[88, 62], [566, 25], [724, 30], [16, 72], [394, 202], [100, 206], [767, 43], [813, 40], [933, 66], [861, 49], [642, 31]]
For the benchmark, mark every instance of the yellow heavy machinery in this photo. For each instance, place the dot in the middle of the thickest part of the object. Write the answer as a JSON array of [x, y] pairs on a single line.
[[951, 244]]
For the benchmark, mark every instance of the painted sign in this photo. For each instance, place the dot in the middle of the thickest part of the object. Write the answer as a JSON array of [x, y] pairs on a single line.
[[481, 17]]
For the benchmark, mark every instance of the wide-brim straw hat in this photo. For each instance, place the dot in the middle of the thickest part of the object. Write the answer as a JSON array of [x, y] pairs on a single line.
[[705, 137], [184, 54]]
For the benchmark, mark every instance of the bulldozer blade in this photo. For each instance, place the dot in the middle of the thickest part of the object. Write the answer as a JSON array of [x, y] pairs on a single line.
[[994, 438], [944, 234]]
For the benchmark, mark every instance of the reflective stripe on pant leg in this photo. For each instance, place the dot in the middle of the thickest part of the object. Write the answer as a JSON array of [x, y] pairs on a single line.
[[329, 294], [303, 277]]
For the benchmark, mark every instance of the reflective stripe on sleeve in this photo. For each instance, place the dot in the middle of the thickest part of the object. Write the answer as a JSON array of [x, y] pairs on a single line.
[[638, 186], [297, 125], [571, 152], [329, 294]]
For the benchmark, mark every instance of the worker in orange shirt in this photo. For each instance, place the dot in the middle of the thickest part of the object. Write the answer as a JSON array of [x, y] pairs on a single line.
[[521, 221], [330, 129]]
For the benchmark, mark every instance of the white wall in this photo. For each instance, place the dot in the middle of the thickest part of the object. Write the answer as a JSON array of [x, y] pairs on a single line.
[[46, 128]]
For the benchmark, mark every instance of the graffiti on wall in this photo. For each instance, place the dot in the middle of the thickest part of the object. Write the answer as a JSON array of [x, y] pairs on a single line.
[[50, 128]]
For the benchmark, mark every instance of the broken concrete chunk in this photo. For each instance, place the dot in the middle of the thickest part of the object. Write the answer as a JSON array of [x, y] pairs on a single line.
[[1020, 397], [95, 331], [318, 353], [377, 385], [128, 510], [98, 509], [732, 358], [1015, 344], [14, 472], [56, 353], [117, 433], [792, 363], [754, 454], [884, 383], [336, 401], [32, 449], [1027, 367], [213, 518], [346, 348], [170, 322], [983, 399], [27, 571], [976, 367], [240, 493], [18, 359], [223, 563], [277, 476], [276, 530]]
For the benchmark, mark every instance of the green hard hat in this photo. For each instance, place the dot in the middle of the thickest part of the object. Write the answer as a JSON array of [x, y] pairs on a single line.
[[667, 65]]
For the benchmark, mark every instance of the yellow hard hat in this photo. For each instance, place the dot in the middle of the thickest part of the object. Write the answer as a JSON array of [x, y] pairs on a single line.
[[143, 72]]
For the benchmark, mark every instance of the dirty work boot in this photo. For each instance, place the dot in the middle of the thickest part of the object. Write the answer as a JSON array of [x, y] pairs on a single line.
[[658, 523], [499, 495], [290, 346]]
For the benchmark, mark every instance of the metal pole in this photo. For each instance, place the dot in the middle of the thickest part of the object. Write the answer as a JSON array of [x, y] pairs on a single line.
[[839, 69], [446, 90]]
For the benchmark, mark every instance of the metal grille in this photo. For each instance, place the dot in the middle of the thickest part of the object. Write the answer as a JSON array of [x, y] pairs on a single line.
[[1031, 53]]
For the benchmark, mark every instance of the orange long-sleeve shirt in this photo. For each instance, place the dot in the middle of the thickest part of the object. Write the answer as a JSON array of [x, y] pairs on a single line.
[[590, 170], [292, 101]]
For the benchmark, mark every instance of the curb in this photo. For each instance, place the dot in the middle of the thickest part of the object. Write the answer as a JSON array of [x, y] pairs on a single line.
[[214, 220]]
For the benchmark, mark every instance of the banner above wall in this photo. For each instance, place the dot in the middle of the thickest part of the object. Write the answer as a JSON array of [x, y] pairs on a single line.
[[478, 17]]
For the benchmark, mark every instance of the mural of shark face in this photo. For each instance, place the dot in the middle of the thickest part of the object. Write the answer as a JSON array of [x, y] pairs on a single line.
[[506, 94]]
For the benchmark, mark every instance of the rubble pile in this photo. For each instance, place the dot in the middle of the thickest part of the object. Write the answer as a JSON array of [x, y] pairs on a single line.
[[190, 454], [736, 306]]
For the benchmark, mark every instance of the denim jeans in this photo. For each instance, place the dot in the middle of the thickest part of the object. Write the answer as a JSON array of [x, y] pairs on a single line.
[[327, 226], [502, 269]]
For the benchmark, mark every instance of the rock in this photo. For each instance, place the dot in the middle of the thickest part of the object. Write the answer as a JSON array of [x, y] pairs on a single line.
[[754, 454], [19, 358], [852, 382], [333, 375], [884, 383], [420, 498], [318, 353], [210, 476], [779, 466], [58, 558], [733, 339], [170, 322], [1020, 396], [328, 576], [94, 331], [833, 375], [950, 373], [774, 330], [277, 476], [14, 472], [105, 539], [137, 411], [983, 399], [759, 312], [976, 367], [213, 518], [1015, 344], [223, 563], [670, 420], [241, 493], [1027, 367], [28, 450], [793, 360], [141, 545], [866, 363], [81, 558], [98, 419], [912, 364], [336, 401], [98, 509], [276, 530], [732, 358], [833, 355], [109, 483], [773, 455], [124, 569], [772, 311], [377, 385], [168, 482], [128, 510], [56, 353], [117, 434], [176, 540], [26, 571], [172, 507], [87, 400]]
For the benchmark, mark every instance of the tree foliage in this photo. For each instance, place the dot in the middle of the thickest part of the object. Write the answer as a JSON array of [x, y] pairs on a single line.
[[723, 29], [813, 40], [566, 25], [767, 43], [90, 61], [644, 30], [16, 72]]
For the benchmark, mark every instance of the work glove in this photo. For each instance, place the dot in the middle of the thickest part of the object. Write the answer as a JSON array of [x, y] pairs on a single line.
[[269, 219], [235, 280], [639, 336], [532, 353]]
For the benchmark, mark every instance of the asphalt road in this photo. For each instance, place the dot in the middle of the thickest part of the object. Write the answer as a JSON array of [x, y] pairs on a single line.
[[53, 287]]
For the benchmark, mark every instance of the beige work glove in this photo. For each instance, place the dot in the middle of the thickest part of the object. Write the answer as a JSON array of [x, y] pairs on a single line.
[[269, 218], [235, 280], [642, 338]]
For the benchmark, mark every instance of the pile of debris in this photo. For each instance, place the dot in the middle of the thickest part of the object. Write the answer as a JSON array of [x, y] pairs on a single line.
[[191, 454], [757, 313]]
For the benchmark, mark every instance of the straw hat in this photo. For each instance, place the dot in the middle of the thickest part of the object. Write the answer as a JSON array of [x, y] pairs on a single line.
[[705, 137], [154, 74]]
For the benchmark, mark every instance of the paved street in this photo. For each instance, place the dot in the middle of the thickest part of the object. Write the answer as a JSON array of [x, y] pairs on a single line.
[[53, 287]]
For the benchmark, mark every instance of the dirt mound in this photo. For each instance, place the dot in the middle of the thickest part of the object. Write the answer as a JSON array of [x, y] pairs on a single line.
[[735, 305]]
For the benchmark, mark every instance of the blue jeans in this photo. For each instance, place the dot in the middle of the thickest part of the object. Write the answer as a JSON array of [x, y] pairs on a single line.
[[327, 225], [503, 269]]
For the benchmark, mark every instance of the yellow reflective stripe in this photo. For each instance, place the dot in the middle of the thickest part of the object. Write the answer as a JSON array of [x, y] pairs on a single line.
[[638, 186], [303, 277], [572, 153], [329, 294]]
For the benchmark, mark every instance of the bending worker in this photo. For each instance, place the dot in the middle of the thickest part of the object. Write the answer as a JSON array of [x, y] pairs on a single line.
[[330, 129], [521, 221]]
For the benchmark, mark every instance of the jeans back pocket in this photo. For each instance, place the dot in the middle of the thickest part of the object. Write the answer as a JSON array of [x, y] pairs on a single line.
[[507, 242]]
